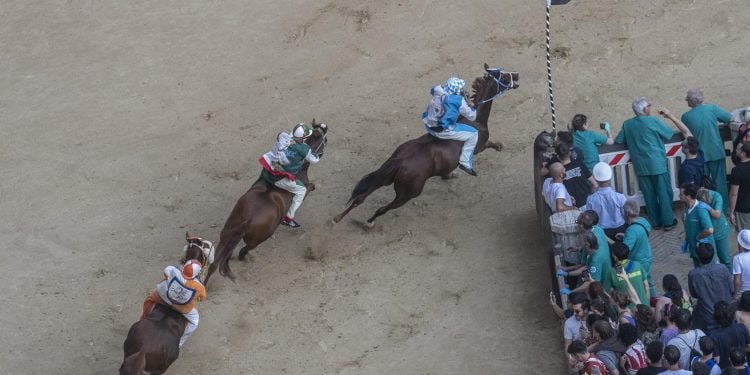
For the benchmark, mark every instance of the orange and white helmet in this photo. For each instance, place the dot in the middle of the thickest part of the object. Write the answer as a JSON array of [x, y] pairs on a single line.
[[191, 269]]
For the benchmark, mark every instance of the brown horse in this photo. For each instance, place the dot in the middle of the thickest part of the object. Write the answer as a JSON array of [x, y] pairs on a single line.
[[417, 160], [258, 213], [153, 343]]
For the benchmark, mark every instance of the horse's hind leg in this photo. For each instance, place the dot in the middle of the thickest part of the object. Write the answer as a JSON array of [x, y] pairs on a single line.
[[250, 243], [404, 193], [396, 203]]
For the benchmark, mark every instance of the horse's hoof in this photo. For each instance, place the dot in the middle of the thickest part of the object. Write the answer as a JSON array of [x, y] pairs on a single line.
[[496, 146], [370, 224], [337, 219]]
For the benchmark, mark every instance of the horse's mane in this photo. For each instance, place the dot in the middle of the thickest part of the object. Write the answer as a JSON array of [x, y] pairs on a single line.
[[478, 85]]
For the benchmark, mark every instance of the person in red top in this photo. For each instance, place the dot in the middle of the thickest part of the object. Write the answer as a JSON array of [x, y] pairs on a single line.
[[181, 290], [592, 365]]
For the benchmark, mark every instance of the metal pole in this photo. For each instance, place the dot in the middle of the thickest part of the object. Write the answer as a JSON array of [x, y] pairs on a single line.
[[549, 75]]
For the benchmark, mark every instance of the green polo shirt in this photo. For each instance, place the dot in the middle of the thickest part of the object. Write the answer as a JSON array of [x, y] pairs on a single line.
[[637, 276], [636, 237], [696, 221], [703, 122], [600, 262], [721, 226], [645, 137], [589, 141]]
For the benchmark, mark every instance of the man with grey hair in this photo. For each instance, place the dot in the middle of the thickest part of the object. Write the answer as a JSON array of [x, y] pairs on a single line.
[[703, 121], [636, 238], [645, 136]]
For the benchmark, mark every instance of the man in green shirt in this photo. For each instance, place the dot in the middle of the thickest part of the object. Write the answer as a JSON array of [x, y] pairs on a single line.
[[635, 272], [703, 121], [588, 140], [595, 257], [645, 136], [698, 225], [636, 239]]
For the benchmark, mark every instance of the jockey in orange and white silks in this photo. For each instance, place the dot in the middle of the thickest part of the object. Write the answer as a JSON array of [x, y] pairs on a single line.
[[281, 165], [441, 118], [181, 290]]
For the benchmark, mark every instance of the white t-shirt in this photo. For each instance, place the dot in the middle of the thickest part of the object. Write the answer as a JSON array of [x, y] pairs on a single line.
[[684, 341], [676, 372], [553, 191], [572, 328], [741, 266]]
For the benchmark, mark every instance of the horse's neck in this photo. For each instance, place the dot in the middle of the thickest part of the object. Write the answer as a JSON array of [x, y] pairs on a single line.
[[483, 112]]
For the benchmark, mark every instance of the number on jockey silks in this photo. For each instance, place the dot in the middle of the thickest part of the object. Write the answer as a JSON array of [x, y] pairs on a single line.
[[178, 293], [435, 110]]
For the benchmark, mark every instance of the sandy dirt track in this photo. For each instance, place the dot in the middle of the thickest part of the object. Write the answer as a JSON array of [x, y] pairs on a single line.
[[126, 124]]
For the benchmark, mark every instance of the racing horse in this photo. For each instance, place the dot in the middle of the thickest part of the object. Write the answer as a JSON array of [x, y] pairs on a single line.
[[259, 211], [417, 160], [153, 342]]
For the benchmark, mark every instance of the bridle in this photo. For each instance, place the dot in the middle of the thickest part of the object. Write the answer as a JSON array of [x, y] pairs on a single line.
[[206, 247], [321, 148], [501, 87]]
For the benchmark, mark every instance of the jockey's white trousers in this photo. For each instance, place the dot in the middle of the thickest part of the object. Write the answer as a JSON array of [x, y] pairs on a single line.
[[299, 192], [460, 132], [192, 318]]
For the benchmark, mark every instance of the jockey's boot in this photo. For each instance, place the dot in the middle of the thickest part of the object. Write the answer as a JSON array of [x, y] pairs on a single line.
[[288, 221], [468, 170]]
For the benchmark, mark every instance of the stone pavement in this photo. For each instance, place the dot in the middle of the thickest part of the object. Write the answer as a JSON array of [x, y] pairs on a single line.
[[668, 258]]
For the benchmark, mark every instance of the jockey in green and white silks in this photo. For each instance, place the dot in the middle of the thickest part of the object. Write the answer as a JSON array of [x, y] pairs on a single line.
[[281, 170], [442, 115]]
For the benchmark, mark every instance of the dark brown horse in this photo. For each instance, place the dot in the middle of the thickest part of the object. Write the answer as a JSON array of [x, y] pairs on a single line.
[[417, 160], [153, 343], [258, 213]]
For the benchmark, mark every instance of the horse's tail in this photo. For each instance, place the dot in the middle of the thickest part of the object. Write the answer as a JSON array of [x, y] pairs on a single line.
[[134, 364], [373, 181], [224, 253]]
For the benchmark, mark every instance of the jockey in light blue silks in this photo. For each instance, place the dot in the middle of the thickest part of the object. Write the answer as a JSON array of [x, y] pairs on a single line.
[[441, 116]]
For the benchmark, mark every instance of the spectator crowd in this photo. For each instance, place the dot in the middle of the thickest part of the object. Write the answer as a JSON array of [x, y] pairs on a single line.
[[616, 321]]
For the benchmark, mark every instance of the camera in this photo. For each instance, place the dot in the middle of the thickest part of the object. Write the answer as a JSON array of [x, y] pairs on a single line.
[[602, 125], [618, 268]]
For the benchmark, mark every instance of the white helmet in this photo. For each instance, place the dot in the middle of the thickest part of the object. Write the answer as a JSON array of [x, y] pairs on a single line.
[[301, 131]]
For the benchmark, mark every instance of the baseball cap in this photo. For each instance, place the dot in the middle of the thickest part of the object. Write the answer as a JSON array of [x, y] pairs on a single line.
[[743, 239], [602, 172]]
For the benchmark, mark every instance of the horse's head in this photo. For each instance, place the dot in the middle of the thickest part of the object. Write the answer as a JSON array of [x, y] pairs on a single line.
[[495, 82], [318, 139], [198, 249]]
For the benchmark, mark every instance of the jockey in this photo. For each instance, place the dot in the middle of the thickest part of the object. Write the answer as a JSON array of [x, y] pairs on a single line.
[[441, 116], [281, 165], [180, 290]]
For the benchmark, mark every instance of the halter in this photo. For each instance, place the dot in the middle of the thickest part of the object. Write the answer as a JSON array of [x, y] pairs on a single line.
[[501, 87]]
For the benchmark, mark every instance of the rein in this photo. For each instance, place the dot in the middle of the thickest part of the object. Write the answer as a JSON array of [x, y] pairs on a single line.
[[501, 87]]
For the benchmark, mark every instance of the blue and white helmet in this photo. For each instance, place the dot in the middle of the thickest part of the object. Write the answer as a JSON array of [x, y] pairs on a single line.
[[453, 85]]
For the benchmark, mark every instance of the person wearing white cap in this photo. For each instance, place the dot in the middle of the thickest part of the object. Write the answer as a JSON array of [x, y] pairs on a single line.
[[741, 263], [181, 290], [606, 202]]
